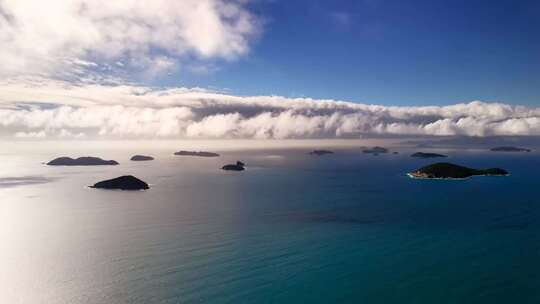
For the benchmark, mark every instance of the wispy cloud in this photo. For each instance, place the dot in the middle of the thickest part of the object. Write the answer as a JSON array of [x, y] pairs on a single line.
[[341, 18], [38, 107]]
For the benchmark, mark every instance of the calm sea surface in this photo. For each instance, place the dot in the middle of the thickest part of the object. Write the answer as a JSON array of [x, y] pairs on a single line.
[[293, 228]]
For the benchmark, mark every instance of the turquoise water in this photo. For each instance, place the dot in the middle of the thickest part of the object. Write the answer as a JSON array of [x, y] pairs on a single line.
[[343, 228]]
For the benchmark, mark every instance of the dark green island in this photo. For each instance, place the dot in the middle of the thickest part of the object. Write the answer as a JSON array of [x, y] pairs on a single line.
[[239, 166], [81, 161], [126, 182], [141, 158], [427, 155], [375, 150], [320, 152], [452, 171], [196, 153], [509, 149]]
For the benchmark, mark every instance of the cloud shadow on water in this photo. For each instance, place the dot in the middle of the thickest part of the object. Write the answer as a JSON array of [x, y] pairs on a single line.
[[8, 182]]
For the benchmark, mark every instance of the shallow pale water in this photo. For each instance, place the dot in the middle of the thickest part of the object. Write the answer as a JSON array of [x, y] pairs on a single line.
[[293, 228]]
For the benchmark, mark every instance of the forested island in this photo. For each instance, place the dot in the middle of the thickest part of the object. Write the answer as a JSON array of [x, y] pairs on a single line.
[[196, 153], [375, 150], [509, 149], [81, 161], [320, 152], [239, 166], [427, 155], [452, 171], [141, 158], [126, 182]]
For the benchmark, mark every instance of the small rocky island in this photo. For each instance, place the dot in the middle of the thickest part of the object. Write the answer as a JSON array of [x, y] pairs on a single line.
[[509, 149], [81, 161], [427, 155], [126, 182], [239, 166], [452, 171], [141, 158], [196, 153], [320, 152], [375, 150]]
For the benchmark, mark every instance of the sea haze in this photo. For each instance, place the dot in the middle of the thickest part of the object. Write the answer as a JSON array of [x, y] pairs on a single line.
[[348, 227]]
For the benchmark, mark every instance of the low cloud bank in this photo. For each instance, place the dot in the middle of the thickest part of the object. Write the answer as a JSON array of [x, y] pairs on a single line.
[[40, 108]]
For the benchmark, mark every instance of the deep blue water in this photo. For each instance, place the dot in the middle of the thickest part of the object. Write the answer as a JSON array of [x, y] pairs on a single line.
[[293, 228]]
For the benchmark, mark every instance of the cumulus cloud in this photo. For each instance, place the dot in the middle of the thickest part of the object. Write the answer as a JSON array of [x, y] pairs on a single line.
[[37, 107], [71, 37], [40, 134]]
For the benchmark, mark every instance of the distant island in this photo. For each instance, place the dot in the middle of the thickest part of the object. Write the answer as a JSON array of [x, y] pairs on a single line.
[[320, 152], [427, 155], [239, 166], [509, 149], [452, 171], [81, 161], [141, 158], [375, 150], [196, 153], [126, 182]]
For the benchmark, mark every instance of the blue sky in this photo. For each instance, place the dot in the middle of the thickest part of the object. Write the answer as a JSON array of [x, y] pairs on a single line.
[[387, 52]]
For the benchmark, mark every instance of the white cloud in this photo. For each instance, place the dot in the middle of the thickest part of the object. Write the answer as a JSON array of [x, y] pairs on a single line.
[[88, 40], [63, 133], [26, 135], [120, 110], [59, 38]]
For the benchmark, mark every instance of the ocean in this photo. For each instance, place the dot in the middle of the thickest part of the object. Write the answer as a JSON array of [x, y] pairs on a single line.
[[293, 228]]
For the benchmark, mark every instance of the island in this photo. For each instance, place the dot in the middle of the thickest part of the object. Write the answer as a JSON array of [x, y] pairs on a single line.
[[452, 171], [320, 152], [239, 166], [141, 158], [126, 182], [427, 155], [509, 149], [375, 150], [196, 153], [81, 161]]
